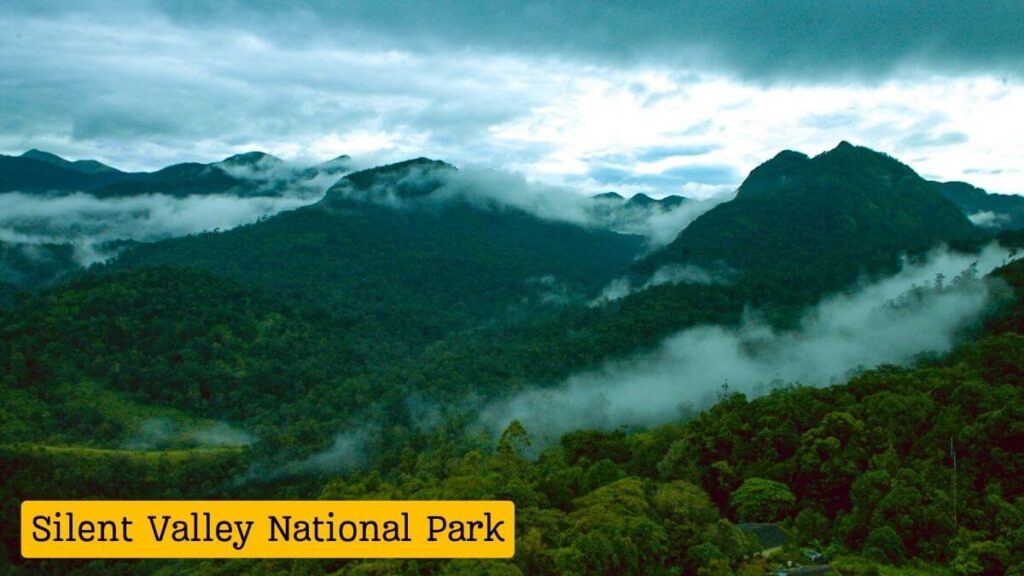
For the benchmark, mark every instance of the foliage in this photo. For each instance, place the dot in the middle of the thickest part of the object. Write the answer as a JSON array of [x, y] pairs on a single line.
[[761, 500]]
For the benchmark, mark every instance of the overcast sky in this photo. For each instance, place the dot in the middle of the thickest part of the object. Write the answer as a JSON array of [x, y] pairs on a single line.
[[663, 97]]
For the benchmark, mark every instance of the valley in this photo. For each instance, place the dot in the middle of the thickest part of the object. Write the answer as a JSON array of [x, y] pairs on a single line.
[[410, 337]]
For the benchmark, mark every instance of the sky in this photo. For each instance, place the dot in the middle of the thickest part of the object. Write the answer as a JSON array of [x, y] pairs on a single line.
[[657, 97]]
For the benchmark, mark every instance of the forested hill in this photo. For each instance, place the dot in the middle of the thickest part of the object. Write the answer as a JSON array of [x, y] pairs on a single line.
[[83, 166], [861, 471], [248, 174], [998, 211], [392, 183], [813, 225], [37, 173], [355, 341], [407, 272]]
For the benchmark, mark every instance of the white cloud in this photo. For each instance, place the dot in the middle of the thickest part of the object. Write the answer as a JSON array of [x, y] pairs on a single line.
[[619, 288], [988, 219], [837, 337], [201, 92], [87, 221]]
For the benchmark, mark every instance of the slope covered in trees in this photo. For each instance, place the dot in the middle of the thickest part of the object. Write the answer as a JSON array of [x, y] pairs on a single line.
[[999, 211], [204, 346], [860, 469], [247, 174], [33, 174], [808, 226], [352, 341], [409, 274]]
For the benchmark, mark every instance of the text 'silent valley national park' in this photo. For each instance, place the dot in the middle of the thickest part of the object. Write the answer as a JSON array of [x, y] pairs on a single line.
[[619, 288]]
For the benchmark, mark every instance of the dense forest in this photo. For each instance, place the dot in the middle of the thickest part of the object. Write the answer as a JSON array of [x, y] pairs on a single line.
[[344, 350]]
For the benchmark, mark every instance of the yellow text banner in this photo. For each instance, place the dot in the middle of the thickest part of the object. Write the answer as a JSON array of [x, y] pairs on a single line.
[[267, 529]]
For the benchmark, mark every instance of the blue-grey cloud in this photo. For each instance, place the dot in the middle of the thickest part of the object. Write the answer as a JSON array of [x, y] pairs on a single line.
[[924, 139], [792, 38], [668, 180], [148, 83], [655, 153]]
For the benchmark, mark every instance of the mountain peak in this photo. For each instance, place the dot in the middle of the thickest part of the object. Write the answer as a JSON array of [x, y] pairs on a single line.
[[251, 158], [407, 179], [37, 154], [673, 200], [83, 166], [795, 216], [844, 149], [640, 199]]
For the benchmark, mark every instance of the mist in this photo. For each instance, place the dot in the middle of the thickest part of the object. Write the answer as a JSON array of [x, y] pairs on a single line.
[[669, 274], [158, 433], [97, 228], [88, 222], [879, 323], [988, 219], [489, 189]]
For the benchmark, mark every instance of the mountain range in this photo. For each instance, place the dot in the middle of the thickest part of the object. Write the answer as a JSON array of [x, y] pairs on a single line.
[[354, 346], [247, 174], [403, 270]]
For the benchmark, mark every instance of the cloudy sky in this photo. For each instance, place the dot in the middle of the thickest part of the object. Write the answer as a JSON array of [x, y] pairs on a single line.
[[663, 97]]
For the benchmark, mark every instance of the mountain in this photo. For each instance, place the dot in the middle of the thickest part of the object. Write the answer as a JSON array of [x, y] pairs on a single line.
[[84, 166], [614, 211], [33, 175], [399, 263], [414, 179], [354, 342], [338, 165], [178, 180], [251, 159], [642, 200], [806, 226], [248, 174], [999, 211], [297, 326]]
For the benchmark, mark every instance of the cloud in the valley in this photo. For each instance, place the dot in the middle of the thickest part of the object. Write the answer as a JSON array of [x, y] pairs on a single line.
[[88, 222], [839, 336]]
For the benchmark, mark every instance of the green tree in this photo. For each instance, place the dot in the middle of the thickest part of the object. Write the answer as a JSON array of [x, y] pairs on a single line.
[[762, 500], [885, 545]]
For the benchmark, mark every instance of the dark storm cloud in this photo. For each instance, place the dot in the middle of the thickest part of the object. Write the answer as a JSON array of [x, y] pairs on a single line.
[[798, 39], [795, 39], [108, 74]]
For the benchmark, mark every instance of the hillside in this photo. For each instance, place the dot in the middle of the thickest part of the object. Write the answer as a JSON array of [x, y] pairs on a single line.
[[998, 211], [247, 174], [862, 468], [807, 226], [84, 166], [29, 266], [31, 174], [356, 342], [408, 273]]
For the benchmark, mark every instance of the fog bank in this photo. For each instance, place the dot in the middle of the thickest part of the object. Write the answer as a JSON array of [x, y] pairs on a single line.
[[890, 321], [87, 222]]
